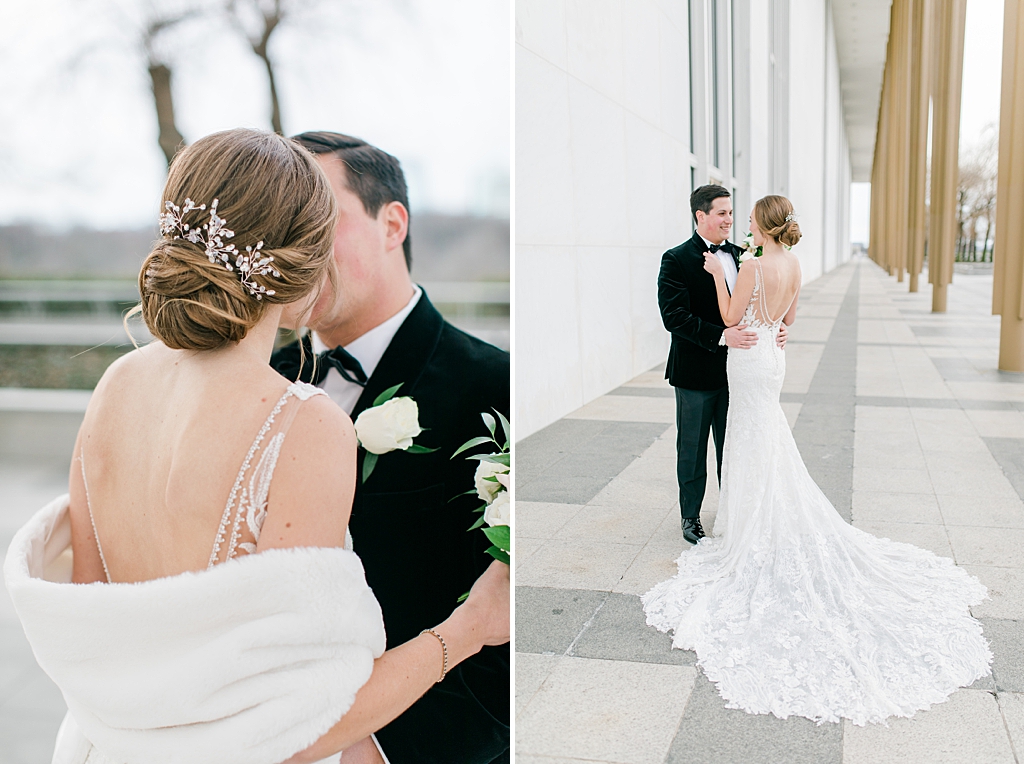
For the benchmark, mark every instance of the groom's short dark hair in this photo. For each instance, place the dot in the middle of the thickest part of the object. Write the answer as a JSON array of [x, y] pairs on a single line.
[[703, 198], [373, 175]]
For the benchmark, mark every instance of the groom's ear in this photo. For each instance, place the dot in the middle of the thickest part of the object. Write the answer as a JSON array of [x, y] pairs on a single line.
[[396, 221]]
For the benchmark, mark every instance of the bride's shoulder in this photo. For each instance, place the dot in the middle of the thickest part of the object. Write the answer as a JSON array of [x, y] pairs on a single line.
[[130, 370], [320, 431]]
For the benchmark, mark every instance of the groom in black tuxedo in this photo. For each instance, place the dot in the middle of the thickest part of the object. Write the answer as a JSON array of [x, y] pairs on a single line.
[[697, 355], [377, 329]]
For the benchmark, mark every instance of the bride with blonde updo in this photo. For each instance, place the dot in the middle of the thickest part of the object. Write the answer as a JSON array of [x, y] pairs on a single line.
[[791, 610], [194, 595]]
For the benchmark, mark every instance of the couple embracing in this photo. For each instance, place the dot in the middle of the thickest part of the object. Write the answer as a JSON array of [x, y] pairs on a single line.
[[790, 610], [223, 583]]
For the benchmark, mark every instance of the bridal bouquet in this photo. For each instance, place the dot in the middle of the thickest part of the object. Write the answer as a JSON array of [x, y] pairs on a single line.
[[493, 479], [389, 425], [749, 250]]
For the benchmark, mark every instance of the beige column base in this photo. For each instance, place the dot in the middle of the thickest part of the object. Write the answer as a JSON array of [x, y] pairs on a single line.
[[913, 282], [939, 298], [1011, 344]]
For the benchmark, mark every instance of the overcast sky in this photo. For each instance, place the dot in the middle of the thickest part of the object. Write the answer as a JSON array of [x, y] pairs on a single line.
[[426, 80], [979, 103]]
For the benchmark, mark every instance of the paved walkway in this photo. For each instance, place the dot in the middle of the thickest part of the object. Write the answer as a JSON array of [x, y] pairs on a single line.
[[912, 433]]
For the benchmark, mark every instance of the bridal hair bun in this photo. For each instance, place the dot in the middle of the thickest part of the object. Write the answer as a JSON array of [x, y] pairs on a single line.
[[775, 217], [247, 199]]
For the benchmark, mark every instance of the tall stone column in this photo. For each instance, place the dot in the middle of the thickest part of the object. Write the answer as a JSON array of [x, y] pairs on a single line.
[[881, 167], [894, 137], [876, 242], [920, 65], [948, 53], [1008, 282]]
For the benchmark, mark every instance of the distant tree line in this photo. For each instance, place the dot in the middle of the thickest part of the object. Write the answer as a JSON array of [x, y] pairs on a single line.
[[976, 199]]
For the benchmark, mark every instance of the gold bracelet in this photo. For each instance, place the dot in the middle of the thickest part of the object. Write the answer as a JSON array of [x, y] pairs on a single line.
[[444, 653]]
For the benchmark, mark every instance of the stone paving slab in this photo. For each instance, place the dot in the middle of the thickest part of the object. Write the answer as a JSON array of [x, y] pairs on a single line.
[[622, 711], [713, 734], [907, 426], [966, 728]]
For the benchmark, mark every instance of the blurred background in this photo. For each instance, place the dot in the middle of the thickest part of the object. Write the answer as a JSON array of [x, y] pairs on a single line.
[[96, 95]]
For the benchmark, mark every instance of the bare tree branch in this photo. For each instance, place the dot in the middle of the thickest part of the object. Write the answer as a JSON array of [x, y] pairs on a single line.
[[270, 18], [169, 137]]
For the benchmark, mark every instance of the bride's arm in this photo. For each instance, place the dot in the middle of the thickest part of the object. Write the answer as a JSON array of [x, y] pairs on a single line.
[[790, 316], [404, 673], [731, 307]]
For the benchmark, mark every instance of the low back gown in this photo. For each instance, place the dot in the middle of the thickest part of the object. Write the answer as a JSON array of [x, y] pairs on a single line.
[[791, 610]]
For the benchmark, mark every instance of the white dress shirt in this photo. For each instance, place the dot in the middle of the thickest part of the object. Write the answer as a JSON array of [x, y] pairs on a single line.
[[727, 262], [368, 350]]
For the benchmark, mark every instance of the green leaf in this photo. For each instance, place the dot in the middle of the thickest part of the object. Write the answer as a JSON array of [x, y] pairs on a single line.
[[499, 554], [463, 597], [496, 458], [464, 493], [472, 443], [415, 449], [500, 536], [489, 421], [506, 427], [387, 395], [369, 462], [479, 522]]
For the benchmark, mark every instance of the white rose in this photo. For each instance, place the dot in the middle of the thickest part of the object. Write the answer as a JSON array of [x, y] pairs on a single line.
[[486, 489], [499, 512], [746, 255], [390, 426]]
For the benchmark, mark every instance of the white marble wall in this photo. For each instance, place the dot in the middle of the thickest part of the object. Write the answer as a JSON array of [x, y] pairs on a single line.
[[602, 188], [602, 183]]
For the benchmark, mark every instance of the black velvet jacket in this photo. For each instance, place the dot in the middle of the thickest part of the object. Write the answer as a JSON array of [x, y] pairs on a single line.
[[689, 310], [411, 534]]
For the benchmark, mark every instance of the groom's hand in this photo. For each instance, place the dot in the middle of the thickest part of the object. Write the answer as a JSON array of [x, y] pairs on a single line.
[[780, 340], [740, 337]]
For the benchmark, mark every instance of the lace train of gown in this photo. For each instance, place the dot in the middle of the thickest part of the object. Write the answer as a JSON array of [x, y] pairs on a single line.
[[792, 611]]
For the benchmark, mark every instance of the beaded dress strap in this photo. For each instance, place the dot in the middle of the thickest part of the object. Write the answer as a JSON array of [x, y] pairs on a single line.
[[92, 521], [248, 498]]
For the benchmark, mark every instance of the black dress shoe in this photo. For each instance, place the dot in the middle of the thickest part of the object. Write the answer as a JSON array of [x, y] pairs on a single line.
[[692, 531]]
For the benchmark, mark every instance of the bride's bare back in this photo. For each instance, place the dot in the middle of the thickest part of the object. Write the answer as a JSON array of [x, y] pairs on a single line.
[[161, 445], [766, 289], [779, 285]]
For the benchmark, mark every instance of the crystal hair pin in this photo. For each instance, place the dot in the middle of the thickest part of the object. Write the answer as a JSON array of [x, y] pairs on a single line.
[[790, 217], [249, 264]]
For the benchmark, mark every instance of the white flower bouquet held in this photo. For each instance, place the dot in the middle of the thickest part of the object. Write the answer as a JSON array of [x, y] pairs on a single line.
[[749, 250], [493, 479], [389, 425]]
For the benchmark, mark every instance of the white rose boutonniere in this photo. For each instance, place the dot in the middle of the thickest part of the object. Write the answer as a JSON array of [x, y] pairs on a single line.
[[389, 425], [493, 480]]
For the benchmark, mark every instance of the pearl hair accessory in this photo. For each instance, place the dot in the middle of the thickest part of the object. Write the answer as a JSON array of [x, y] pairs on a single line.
[[249, 264], [790, 217]]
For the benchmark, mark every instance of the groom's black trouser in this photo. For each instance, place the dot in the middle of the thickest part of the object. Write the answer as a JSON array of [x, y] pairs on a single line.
[[698, 412]]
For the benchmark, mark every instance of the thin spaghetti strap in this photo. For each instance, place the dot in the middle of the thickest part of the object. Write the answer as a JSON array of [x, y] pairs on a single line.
[[88, 506]]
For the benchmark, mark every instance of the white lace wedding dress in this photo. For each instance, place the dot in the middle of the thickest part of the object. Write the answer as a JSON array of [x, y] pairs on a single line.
[[792, 611]]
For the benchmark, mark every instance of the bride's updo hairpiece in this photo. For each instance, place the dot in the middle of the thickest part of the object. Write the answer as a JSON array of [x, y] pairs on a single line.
[[212, 236], [204, 284], [775, 217]]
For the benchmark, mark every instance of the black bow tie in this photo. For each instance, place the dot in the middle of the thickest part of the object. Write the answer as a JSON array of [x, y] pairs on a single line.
[[288, 359], [714, 248]]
